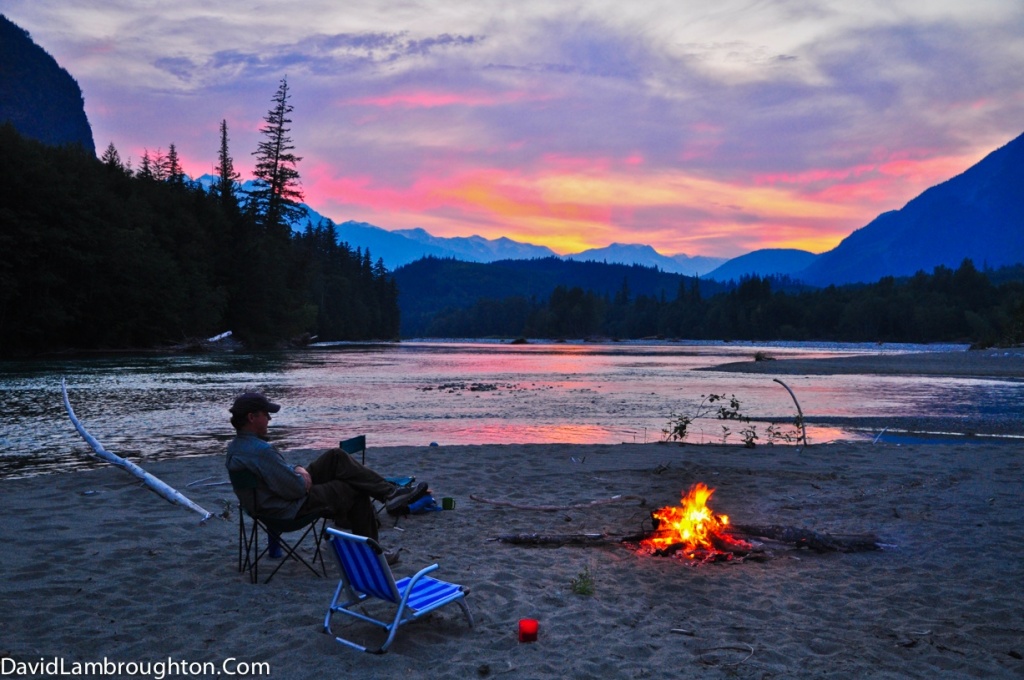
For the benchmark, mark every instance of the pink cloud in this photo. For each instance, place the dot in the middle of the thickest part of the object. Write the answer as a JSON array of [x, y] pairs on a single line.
[[426, 99]]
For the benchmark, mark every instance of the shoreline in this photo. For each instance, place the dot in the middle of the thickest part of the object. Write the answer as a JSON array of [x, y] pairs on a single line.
[[118, 573], [991, 363]]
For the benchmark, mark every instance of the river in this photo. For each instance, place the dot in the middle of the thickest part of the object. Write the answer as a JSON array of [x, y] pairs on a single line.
[[449, 393]]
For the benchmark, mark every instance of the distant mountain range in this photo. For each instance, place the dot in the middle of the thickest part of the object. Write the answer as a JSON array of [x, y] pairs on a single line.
[[402, 246], [978, 214]]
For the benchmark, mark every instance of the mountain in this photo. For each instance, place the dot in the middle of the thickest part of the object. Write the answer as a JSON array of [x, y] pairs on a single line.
[[978, 214], [38, 97], [646, 256], [478, 248], [765, 262]]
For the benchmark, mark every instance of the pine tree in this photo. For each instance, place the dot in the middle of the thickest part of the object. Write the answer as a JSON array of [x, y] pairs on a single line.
[[112, 159], [173, 171], [227, 176], [146, 169], [158, 165], [276, 194]]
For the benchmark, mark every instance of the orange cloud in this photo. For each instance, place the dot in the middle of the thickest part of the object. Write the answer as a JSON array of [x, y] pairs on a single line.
[[568, 206]]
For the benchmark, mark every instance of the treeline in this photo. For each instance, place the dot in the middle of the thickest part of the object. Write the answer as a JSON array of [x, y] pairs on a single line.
[[96, 255], [437, 288], [962, 305]]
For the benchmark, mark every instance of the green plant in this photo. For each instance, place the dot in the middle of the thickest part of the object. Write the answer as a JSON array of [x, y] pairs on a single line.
[[583, 583], [679, 424], [676, 429], [749, 434]]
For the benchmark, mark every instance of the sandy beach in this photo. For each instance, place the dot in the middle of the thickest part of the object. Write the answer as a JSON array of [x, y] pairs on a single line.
[[98, 567]]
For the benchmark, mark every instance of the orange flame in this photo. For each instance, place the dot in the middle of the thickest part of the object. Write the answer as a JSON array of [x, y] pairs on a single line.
[[693, 526]]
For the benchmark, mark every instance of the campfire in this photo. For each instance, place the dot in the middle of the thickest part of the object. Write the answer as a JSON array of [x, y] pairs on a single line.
[[693, 530]]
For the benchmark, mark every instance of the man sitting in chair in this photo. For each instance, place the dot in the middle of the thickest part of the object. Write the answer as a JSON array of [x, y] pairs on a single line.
[[334, 485]]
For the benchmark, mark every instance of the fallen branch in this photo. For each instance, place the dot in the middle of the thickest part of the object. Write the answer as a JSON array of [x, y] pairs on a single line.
[[559, 539], [167, 492], [806, 538], [557, 508]]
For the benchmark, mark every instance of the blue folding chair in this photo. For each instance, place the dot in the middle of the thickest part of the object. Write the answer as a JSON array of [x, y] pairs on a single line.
[[365, 574]]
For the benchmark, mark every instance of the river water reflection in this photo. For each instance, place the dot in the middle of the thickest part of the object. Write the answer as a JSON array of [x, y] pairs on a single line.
[[415, 393]]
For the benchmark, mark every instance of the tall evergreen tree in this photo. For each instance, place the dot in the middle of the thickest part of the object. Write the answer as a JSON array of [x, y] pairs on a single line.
[[175, 175], [112, 159], [146, 169], [227, 176], [276, 196]]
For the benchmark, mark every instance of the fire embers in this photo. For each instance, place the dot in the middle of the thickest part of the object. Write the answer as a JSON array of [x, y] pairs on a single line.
[[693, 531]]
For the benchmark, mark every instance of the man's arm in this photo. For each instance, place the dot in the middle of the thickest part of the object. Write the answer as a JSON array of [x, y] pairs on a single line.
[[281, 479]]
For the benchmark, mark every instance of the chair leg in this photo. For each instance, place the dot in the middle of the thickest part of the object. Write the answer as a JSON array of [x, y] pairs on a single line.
[[241, 537], [291, 552]]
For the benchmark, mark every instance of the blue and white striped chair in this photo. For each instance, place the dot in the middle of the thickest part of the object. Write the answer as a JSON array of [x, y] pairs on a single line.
[[365, 574]]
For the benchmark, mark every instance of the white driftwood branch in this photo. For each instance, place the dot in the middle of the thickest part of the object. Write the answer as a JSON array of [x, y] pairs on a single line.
[[154, 483], [803, 427]]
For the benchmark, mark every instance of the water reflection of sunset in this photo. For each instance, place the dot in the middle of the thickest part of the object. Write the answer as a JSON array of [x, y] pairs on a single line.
[[416, 393]]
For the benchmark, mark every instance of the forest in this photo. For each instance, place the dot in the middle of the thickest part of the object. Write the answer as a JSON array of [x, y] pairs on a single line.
[[983, 308], [96, 255]]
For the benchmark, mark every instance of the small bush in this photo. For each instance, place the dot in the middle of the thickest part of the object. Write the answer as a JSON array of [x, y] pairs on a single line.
[[583, 583]]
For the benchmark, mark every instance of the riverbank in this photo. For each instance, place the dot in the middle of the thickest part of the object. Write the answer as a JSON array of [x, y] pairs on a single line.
[[98, 567], [992, 363]]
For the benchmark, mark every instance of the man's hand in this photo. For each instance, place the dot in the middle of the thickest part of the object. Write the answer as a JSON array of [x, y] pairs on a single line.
[[304, 473]]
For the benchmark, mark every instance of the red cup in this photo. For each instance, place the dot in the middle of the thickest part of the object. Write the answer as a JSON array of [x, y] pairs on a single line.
[[528, 630]]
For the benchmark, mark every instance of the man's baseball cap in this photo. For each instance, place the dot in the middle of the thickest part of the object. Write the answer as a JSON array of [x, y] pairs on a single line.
[[253, 402]]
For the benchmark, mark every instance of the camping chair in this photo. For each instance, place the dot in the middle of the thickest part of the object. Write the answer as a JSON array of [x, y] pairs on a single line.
[[365, 573], [244, 482], [355, 445]]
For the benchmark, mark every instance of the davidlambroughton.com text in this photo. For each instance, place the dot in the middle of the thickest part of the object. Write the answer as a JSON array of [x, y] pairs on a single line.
[[156, 670]]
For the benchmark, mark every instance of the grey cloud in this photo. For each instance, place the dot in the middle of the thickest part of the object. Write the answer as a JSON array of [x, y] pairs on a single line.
[[180, 67]]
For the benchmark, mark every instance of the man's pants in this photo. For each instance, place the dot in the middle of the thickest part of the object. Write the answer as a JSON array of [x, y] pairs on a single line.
[[342, 490]]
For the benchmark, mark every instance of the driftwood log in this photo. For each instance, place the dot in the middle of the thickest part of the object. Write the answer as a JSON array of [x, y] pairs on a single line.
[[806, 538], [155, 484]]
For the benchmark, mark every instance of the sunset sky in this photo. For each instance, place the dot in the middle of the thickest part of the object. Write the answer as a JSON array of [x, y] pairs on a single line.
[[705, 128]]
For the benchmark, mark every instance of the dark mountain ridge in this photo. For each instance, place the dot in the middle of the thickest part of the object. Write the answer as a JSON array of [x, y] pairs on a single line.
[[978, 215], [38, 97]]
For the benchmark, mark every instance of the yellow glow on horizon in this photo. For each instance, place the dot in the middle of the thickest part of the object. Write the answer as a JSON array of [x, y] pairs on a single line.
[[580, 204], [572, 211]]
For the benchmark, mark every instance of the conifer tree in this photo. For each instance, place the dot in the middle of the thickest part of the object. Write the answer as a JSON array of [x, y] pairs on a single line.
[[172, 166], [227, 176], [157, 165], [276, 194], [146, 169], [112, 159]]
